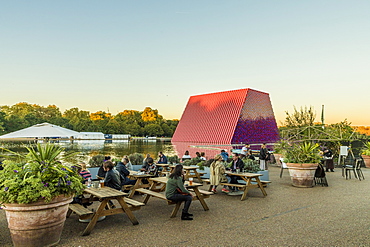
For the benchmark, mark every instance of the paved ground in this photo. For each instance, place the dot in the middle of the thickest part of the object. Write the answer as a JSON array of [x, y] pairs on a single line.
[[337, 215]]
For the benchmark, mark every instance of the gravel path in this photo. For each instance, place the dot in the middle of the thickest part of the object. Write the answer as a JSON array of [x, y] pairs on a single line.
[[320, 216]]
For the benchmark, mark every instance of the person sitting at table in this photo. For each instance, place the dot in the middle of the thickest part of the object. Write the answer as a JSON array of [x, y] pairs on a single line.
[[84, 173], [224, 155], [112, 177], [235, 165], [124, 172], [145, 165], [127, 163], [162, 158], [186, 156], [202, 156], [175, 191], [217, 173], [152, 168], [80, 198], [101, 171]]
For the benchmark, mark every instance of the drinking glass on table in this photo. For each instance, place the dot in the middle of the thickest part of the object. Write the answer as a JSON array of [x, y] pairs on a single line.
[[101, 183], [190, 181]]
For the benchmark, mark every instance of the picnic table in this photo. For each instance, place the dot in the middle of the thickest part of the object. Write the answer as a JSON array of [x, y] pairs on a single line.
[[165, 169], [190, 172], [140, 178], [103, 195], [251, 181], [197, 193]]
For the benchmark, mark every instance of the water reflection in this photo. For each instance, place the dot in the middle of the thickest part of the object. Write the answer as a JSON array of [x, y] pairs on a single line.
[[89, 148], [119, 148]]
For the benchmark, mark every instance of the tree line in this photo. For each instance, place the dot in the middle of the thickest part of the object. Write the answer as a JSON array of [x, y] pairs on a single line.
[[136, 123]]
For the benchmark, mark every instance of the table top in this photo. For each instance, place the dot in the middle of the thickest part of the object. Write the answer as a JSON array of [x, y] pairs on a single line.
[[162, 165], [165, 179], [132, 172], [142, 175], [188, 167], [243, 174], [105, 192]]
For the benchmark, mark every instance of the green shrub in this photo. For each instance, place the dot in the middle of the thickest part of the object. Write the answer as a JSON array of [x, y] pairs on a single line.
[[252, 166], [136, 158], [97, 160], [173, 159]]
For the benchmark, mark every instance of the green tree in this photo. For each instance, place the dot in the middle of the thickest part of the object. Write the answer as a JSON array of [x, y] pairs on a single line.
[[134, 129], [150, 115], [153, 130], [304, 117]]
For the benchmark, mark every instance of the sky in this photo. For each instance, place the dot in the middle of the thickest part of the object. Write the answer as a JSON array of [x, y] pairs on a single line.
[[117, 55]]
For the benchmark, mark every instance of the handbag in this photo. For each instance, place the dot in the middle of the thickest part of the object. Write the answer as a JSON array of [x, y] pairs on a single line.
[[223, 178]]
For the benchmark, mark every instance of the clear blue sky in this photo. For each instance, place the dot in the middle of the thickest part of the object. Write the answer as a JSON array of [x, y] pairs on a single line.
[[116, 55]]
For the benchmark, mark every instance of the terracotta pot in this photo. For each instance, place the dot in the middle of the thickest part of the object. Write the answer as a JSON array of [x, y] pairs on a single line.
[[302, 175], [39, 223], [366, 160]]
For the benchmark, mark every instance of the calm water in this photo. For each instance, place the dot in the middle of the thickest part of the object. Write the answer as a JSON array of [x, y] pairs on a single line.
[[119, 148], [89, 148]]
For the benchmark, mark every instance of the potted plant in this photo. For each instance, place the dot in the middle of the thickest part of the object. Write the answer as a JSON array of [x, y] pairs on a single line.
[[302, 160], [365, 154], [35, 192]]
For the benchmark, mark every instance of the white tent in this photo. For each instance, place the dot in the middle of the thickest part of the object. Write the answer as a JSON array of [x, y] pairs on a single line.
[[44, 130]]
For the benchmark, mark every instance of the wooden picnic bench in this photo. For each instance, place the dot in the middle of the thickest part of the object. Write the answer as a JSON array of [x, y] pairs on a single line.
[[103, 195], [198, 194], [251, 181]]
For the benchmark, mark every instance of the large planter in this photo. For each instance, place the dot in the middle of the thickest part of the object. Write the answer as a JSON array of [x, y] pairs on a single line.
[[206, 170], [366, 160], [39, 223], [302, 175], [265, 175]]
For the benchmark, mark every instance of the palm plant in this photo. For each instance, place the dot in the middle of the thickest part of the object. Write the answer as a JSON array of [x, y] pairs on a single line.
[[305, 152]]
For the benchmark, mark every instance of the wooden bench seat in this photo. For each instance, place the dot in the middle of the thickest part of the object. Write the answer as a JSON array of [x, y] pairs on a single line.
[[205, 193], [133, 202], [234, 185], [152, 193], [206, 180], [265, 183], [79, 210]]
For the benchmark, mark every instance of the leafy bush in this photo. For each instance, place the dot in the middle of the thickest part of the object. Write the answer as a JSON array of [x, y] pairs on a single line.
[[305, 152], [173, 159], [201, 165], [136, 158], [251, 165], [366, 149], [39, 175], [97, 160]]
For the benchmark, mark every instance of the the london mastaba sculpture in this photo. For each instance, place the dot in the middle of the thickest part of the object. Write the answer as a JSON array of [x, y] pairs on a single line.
[[229, 117]]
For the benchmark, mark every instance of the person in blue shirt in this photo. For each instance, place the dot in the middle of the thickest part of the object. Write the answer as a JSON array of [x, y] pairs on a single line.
[[224, 155], [162, 158]]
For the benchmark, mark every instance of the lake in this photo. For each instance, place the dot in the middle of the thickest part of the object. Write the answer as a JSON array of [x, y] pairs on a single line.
[[119, 148]]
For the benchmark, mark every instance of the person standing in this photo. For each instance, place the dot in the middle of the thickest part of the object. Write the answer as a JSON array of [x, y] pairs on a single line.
[[176, 191], [245, 150], [328, 159], [263, 156], [217, 171]]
